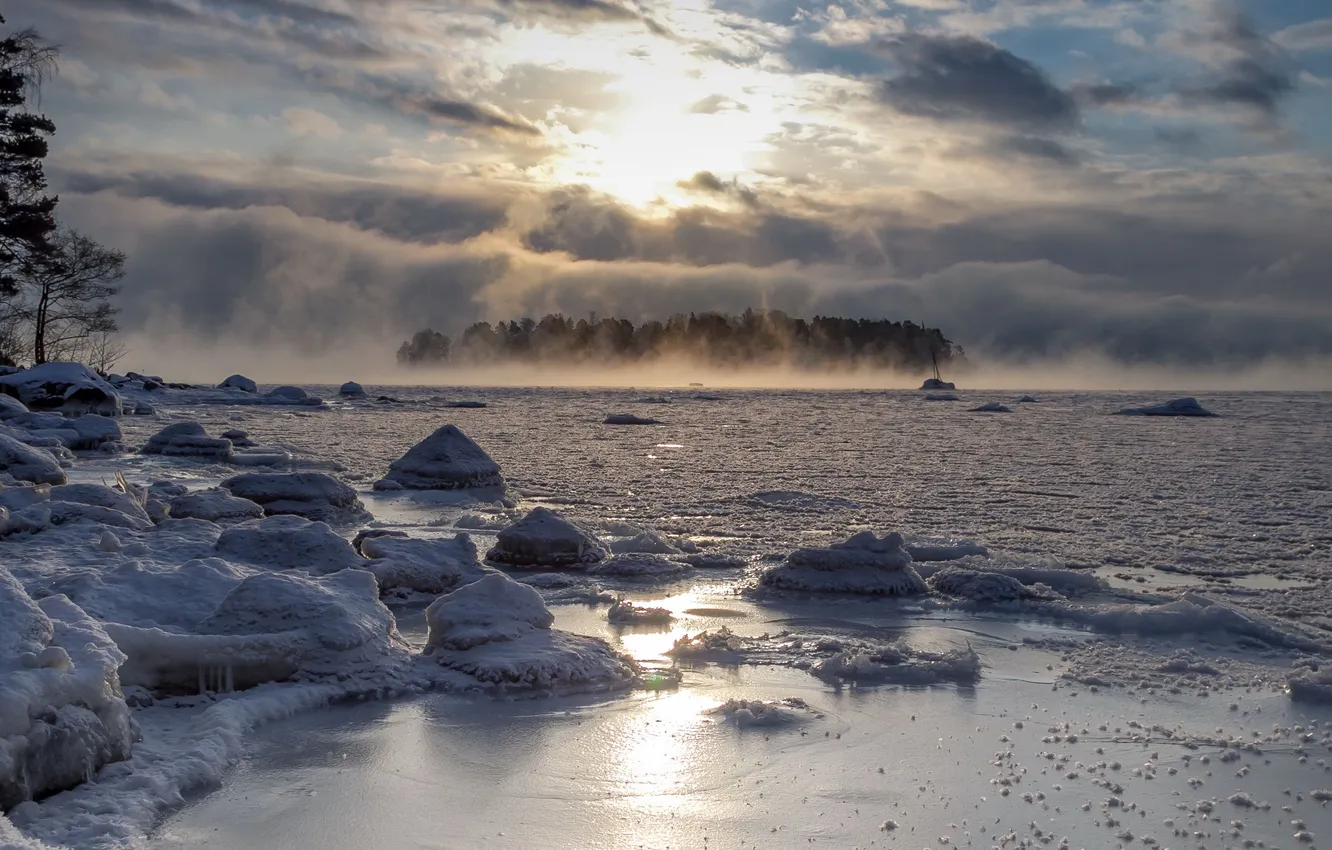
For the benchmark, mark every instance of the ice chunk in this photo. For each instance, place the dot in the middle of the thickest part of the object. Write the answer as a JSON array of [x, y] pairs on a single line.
[[985, 586], [62, 387], [239, 382], [863, 564], [1027, 399], [238, 437], [937, 384], [470, 405], [187, 439], [288, 543], [646, 541], [214, 505], [497, 631], [992, 407], [28, 463], [351, 388], [426, 566], [629, 419], [625, 613], [900, 664], [544, 538], [1174, 407], [313, 495], [761, 713], [446, 460]]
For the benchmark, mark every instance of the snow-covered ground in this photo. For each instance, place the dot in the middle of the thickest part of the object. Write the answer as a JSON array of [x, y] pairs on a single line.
[[1093, 610]]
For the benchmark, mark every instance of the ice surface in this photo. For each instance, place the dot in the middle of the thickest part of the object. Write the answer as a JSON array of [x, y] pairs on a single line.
[[28, 463], [62, 387], [287, 542], [640, 567], [545, 538], [351, 388], [1174, 407], [629, 419], [446, 460], [239, 382], [313, 495], [862, 564]]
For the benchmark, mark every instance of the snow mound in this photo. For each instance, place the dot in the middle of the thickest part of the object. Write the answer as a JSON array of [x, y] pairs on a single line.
[[424, 566], [446, 460], [497, 631], [215, 505], [937, 384], [629, 419], [746, 713], [940, 397], [62, 713], [100, 496], [62, 387], [239, 382], [900, 664], [351, 388], [313, 495], [1174, 407], [625, 613], [985, 586], [10, 406], [544, 538], [640, 567], [646, 542], [187, 439], [29, 463], [863, 564], [992, 407], [288, 542]]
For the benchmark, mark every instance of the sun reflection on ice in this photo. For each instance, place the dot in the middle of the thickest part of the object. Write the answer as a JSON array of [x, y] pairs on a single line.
[[656, 760]]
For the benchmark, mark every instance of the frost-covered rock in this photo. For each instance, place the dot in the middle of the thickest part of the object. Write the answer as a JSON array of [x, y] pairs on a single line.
[[289, 393], [937, 384], [424, 566], [28, 463], [143, 408], [62, 713], [238, 437], [625, 613], [863, 564], [288, 542], [313, 495], [545, 538], [497, 632], [1174, 407], [187, 439], [351, 388], [62, 387], [992, 407], [446, 460], [100, 496], [629, 419], [239, 382], [215, 505], [640, 567]]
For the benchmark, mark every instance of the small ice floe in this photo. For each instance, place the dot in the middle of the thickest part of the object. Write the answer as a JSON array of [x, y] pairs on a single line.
[[625, 613], [1311, 684], [1174, 407], [28, 463], [446, 460], [863, 564], [351, 389], [70, 388], [547, 539], [215, 505], [239, 382], [937, 384], [313, 495], [629, 419], [721, 645], [639, 566], [423, 566], [983, 586], [187, 439], [940, 397], [992, 407], [900, 664], [480, 522], [497, 632], [746, 713]]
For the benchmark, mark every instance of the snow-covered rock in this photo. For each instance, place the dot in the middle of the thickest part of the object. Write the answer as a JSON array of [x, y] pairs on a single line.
[[293, 394], [351, 388], [28, 463], [992, 407], [1174, 407], [143, 408], [545, 538], [62, 387], [215, 505], [10, 406], [863, 564], [288, 542], [62, 713], [984, 586], [313, 495], [239, 382], [647, 542], [629, 419], [937, 384], [1028, 399], [424, 566], [498, 632], [100, 496], [187, 439], [446, 460]]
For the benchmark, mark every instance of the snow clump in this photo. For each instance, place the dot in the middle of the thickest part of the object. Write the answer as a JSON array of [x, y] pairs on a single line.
[[446, 460], [62, 388]]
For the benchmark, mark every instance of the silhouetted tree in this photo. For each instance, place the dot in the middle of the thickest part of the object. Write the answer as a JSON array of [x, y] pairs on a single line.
[[68, 294], [424, 348]]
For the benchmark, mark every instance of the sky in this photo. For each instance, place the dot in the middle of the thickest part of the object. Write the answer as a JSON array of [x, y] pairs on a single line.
[[1140, 181]]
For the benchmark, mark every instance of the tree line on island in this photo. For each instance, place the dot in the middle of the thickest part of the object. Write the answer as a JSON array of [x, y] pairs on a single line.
[[751, 339], [56, 284]]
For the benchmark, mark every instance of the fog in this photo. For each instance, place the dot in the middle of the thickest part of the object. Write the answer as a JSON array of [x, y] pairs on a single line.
[[178, 357]]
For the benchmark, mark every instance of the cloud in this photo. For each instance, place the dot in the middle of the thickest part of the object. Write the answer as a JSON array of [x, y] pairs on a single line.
[[714, 103], [1310, 35], [1255, 74], [967, 79], [310, 122]]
